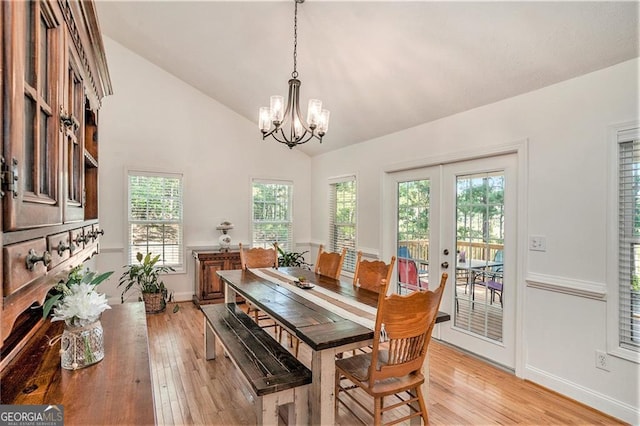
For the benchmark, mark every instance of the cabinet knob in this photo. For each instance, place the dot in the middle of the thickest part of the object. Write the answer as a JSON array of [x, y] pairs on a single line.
[[80, 239], [33, 258], [62, 247]]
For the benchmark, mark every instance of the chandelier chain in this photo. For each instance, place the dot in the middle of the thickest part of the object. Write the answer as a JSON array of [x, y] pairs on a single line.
[[294, 74]]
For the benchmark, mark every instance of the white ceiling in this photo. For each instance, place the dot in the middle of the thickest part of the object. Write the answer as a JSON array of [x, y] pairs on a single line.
[[379, 66]]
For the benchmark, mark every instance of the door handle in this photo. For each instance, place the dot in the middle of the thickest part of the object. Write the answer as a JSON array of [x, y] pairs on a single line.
[[444, 265]]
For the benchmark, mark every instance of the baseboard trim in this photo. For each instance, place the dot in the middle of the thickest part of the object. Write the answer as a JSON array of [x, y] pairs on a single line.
[[583, 395]]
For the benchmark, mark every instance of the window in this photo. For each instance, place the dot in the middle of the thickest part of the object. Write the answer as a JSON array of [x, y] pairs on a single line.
[[342, 217], [155, 216], [272, 218], [629, 240]]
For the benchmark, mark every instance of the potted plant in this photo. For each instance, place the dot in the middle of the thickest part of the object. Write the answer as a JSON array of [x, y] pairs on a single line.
[[145, 278], [292, 258]]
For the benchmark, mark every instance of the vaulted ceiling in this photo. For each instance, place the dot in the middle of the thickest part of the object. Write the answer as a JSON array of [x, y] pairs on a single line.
[[379, 66]]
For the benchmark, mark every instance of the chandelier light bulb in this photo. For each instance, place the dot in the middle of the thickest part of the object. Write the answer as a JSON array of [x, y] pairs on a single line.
[[264, 120], [323, 122], [313, 112], [277, 109], [297, 129]]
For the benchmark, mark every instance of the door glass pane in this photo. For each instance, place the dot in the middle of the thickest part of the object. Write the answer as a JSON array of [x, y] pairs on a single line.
[[45, 157], [30, 42], [413, 235], [43, 76], [480, 247], [29, 142]]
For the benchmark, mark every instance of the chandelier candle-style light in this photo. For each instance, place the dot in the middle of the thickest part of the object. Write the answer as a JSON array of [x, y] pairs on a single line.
[[289, 127]]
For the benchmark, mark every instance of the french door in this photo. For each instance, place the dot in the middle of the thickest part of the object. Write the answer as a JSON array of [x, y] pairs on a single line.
[[460, 218]]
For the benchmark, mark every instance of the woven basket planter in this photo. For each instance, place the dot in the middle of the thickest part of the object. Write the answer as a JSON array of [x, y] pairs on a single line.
[[153, 302]]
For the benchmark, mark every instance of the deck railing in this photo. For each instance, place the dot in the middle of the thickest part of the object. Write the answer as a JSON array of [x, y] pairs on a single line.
[[419, 249]]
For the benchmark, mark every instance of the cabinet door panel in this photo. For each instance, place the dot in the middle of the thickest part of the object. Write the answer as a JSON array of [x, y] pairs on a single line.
[[33, 154], [74, 105], [212, 286]]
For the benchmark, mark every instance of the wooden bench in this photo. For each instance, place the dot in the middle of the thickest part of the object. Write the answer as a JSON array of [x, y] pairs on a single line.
[[274, 375]]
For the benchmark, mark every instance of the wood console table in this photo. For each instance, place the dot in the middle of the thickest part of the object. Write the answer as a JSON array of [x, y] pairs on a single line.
[[116, 390]]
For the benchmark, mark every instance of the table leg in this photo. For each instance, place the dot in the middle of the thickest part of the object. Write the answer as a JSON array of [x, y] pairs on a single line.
[[321, 392], [209, 342], [229, 293]]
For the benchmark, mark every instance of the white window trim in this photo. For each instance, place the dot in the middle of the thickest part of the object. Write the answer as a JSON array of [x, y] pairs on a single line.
[[182, 269], [291, 207], [617, 134]]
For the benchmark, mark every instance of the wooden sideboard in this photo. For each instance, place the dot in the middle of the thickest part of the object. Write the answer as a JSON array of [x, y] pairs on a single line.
[[208, 287], [116, 390]]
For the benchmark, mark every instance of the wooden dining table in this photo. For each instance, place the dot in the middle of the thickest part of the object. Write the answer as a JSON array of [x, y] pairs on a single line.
[[316, 324]]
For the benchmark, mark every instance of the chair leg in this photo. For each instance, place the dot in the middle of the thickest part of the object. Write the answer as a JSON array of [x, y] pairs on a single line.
[[423, 407], [377, 411]]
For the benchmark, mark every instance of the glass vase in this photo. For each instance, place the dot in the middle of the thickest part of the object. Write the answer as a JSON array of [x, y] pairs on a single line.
[[81, 346]]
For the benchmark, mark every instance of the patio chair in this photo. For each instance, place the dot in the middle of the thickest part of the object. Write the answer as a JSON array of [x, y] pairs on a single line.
[[409, 277], [405, 253], [401, 338]]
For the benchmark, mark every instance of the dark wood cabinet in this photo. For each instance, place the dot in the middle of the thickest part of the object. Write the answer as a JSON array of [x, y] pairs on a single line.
[[208, 286], [54, 75]]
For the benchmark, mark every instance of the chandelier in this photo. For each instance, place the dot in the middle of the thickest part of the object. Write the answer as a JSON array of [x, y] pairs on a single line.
[[289, 127]]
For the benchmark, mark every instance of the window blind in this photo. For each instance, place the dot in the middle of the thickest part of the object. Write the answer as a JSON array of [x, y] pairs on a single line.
[[155, 216], [342, 222], [272, 214], [629, 241]]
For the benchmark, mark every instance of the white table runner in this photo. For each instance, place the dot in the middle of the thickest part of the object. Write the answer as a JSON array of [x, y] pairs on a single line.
[[345, 307]]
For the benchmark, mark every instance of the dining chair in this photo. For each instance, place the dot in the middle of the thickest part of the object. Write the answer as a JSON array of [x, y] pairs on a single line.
[[330, 264], [258, 257], [369, 273], [402, 333]]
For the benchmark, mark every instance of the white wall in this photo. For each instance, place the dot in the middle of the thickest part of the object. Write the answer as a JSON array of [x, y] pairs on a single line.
[[566, 129], [156, 122]]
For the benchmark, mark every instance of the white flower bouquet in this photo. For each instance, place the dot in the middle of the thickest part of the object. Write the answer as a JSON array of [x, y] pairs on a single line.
[[76, 301]]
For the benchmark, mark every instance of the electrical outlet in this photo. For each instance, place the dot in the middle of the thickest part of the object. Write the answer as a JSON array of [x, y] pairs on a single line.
[[537, 243], [602, 360]]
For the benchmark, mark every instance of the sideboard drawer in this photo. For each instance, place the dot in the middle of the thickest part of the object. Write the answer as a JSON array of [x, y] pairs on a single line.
[[59, 248], [16, 272], [77, 239]]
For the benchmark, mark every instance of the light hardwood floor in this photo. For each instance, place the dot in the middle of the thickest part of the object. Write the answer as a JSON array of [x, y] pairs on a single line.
[[189, 390]]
